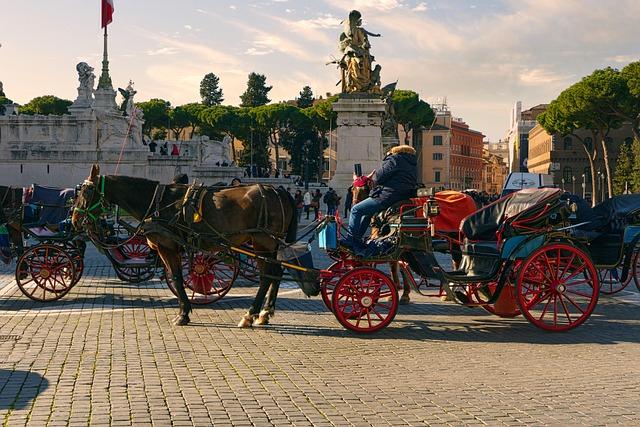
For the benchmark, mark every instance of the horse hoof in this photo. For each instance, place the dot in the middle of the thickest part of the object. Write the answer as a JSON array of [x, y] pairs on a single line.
[[181, 320], [262, 320], [246, 322], [404, 300]]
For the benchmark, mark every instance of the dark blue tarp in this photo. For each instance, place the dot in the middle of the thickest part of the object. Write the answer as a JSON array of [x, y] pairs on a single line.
[[55, 203]]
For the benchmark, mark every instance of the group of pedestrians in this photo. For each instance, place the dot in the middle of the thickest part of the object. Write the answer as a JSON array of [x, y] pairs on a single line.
[[311, 201]]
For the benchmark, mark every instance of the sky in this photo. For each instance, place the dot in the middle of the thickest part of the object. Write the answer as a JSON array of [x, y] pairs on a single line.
[[481, 55]]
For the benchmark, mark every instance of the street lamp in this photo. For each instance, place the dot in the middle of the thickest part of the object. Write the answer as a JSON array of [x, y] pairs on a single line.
[[584, 187], [573, 188], [307, 144], [562, 184]]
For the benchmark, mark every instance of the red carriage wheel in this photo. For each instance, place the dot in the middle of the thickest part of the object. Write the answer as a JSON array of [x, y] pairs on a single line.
[[557, 287], [45, 272], [328, 284], [208, 277], [611, 280], [135, 247], [133, 274], [249, 268], [365, 300], [77, 255]]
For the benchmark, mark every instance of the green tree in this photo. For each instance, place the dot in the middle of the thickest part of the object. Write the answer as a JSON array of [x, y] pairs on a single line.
[[179, 119], [306, 97], [564, 118], [623, 178], [257, 91], [46, 105], [635, 174], [411, 112], [156, 114], [629, 107], [276, 120], [193, 111], [229, 120], [322, 118], [210, 91]]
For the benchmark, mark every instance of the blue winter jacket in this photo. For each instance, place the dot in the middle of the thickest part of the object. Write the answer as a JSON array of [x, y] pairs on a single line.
[[396, 179]]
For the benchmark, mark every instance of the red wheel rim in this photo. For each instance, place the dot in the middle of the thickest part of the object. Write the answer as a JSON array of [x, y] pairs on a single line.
[[610, 280], [365, 300], [557, 287], [208, 278], [327, 285], [45, 273], [137, 247]]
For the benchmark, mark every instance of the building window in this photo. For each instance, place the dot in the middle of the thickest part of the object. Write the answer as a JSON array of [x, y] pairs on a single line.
[[282, 164], [436, 176], [437, 139], [437, 156], [47, 168], [588, 142], [587, 174], [20, 168], [568, 143], [567, 173]]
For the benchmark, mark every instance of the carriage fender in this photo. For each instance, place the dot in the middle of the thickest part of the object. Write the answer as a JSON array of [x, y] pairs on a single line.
[[521, 246]]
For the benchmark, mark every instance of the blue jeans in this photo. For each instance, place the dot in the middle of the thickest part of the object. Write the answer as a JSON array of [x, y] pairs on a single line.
[[361, 214]]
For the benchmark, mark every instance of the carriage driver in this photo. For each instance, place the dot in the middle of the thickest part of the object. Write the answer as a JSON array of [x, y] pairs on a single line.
[[395, 180]]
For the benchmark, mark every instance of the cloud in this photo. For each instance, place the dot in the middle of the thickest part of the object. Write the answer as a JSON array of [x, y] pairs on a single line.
[[233, 7], [163, 51], [188, 27], [254, 51], [420, 7], [541, 76], [624, 59]]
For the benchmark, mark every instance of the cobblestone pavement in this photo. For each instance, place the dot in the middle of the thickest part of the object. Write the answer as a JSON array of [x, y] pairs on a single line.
[[107, 354]]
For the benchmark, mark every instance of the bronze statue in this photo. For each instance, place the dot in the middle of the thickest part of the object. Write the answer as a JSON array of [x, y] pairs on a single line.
[[355, 64], [127, 94]]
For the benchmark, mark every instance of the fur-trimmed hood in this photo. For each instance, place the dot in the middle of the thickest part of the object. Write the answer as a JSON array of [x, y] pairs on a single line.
[[405, 149]]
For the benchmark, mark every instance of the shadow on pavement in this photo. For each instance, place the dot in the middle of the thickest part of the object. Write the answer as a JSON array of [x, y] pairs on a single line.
[[19, 388]]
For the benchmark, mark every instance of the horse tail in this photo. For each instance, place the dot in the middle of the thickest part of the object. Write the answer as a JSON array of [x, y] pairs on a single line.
[[292, 230]]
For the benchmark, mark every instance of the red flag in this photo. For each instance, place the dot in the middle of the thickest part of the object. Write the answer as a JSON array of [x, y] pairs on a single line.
[[107, 12]]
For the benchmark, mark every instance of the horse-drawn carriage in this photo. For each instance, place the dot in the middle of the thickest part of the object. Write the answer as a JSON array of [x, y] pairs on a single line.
[[519, 248], [50, 253]]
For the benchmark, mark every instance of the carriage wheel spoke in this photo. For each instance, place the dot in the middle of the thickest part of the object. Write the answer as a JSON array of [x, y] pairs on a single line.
[[574, 303], [564, 307]]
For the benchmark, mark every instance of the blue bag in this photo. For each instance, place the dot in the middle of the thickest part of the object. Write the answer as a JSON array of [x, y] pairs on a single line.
[[328, 236]]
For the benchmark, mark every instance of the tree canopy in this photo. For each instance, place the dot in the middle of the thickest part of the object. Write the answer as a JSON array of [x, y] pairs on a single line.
[[156, 114], [411, 112], [257, 90], [46, 105], [306, 97], [210, 91]]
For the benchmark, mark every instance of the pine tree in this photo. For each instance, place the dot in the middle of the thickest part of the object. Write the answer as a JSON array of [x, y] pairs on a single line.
[[624, 169], [635, 161], [257, 91], [210, 92], [306, 98]]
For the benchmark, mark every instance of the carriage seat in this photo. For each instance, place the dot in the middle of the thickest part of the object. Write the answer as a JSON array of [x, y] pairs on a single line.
[[481, 248], [485, 223], [607, 218], [55, 203]]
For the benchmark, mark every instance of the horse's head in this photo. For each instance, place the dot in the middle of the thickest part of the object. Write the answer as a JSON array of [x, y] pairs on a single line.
[[361, 188], [89, 203]]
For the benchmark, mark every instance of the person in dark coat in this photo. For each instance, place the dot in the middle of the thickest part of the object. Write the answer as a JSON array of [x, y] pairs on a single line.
[[181, 178], [348, 201], [395, 180]]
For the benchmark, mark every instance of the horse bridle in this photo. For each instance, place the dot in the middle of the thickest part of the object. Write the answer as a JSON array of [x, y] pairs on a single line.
[[100, 207]]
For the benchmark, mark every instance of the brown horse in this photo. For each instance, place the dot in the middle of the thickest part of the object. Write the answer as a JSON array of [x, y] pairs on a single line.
[[260, 215], [10, 205]]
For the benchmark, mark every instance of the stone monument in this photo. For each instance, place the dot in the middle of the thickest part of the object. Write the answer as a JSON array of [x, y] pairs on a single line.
[[85, 89], [360, 107]]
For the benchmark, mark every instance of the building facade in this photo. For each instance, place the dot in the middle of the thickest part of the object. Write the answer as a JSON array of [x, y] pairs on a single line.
[[500, 148], [449, 153], [494, 172], [518, 135], [565, 158]]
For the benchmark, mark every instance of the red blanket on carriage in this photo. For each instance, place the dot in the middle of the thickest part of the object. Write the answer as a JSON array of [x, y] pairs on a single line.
[[454, 207]]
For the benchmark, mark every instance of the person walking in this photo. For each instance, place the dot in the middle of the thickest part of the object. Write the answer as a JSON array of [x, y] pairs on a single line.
[[307, 202], [299, 203], [315, 202], [348, 201]]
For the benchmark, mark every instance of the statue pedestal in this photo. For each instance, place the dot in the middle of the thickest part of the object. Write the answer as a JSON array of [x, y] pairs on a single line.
[[105, 99], [359, 137]]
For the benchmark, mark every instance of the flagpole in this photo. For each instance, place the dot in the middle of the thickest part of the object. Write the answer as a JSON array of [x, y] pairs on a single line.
[[105, 79]]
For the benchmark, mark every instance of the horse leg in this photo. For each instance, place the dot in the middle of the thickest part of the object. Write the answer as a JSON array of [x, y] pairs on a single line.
[[396, 280], [406, 289], [173, 262], [270, 305], [249, 317]]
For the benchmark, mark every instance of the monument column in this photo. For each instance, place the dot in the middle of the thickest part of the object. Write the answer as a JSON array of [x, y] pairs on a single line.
[[105, 96], [358, 136]]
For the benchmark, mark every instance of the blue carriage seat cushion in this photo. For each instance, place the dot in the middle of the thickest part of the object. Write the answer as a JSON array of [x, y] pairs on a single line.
[[54, 201]]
